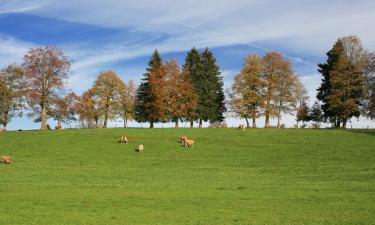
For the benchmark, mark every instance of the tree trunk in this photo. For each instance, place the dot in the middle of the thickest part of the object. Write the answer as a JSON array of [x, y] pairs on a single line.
[[344, 123], [254, 123], [6, 114], [297, 123], [247, 122], [125, 122], [191, 124], [44, 117], [96, 122], [59, 123], [176, 124], [254, 115], [152, 124], [200, 123], [105, 120], [267, 124], [278, 120]]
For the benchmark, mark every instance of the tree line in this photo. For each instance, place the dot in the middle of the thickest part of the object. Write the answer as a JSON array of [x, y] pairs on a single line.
[[266, 86], [167, 93]]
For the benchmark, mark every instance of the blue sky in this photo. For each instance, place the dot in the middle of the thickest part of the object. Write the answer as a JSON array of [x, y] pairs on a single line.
[[121, 35]]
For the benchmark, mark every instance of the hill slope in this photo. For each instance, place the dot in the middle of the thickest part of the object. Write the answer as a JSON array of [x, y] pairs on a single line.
[[261, 176]]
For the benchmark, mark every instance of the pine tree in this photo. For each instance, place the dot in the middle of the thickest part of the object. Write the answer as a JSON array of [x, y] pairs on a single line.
[[193, 65], [211, 105], [316, 114], [303, 113], [343, 84], [144, 97]]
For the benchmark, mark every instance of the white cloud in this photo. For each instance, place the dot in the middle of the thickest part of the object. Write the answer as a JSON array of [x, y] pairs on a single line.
[[12, 50]]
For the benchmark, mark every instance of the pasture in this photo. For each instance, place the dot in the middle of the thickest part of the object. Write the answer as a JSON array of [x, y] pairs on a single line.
[[256, 176]]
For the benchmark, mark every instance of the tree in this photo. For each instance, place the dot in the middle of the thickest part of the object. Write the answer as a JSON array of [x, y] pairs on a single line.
[[46, 69], [211, 105], [127, 101], [88, 109], [316, 114], [12, 88], [247, 92], [182, 100], [344, 80], [303, 113], [144, 111], [194, 67], [301, 96], [63, 109], [280, 82], [107, 90]]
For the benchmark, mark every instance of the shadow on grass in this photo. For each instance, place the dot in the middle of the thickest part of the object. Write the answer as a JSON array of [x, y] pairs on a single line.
[[362, 131]]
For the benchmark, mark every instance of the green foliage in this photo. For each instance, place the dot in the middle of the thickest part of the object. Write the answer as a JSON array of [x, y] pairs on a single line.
[[144, 97], [263, 176], [316, 114], [344, 81]]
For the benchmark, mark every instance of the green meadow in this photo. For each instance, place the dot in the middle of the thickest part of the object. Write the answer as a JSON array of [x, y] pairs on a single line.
[[257, 176]]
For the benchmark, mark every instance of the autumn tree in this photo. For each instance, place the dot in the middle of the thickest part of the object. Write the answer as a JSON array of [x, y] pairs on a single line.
[[88, 110], [127, 101], [12, 90], [181, 98], [280, 81], [145, 98], [344, 80], [247, 92], [194, 67], [107, 91], [63, 109], [46, 70]]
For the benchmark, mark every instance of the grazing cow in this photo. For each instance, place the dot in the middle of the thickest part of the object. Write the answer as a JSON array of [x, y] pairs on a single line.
[[183, 139], [241, 127], [6, 159], [2, 130], [188, 143], [58, 127], [140, 148], [124, 139]]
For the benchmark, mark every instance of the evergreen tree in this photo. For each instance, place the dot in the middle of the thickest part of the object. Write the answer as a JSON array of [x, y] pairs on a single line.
[[193, 65], [303, 113], [316, 114], [144, 97], [343, 83], [212, 107]]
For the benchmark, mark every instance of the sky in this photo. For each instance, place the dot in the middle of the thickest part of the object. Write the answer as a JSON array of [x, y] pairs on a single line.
[[120, 35]]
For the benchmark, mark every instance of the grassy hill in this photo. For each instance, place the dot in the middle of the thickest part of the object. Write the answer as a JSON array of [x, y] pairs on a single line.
[[261, 176]]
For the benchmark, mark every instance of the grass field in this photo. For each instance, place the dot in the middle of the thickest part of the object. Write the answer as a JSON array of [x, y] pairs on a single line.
[[261, 176]]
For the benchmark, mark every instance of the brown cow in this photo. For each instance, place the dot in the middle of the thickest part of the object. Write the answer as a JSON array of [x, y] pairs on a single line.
[[183, 139], [2, 130], [241, 127], [188, 143], [6, 159], [58, 127], [140, 148], [124, 139]]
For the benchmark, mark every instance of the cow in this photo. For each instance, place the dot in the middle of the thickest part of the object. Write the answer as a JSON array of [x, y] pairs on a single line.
[[140, 148], [58, 127], [6, 159], [241, 127], [183, 139], [2, 130], [124, 139], [188, 143]]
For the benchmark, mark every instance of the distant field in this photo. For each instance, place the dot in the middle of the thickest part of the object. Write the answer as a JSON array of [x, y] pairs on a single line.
[[260, 176]]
